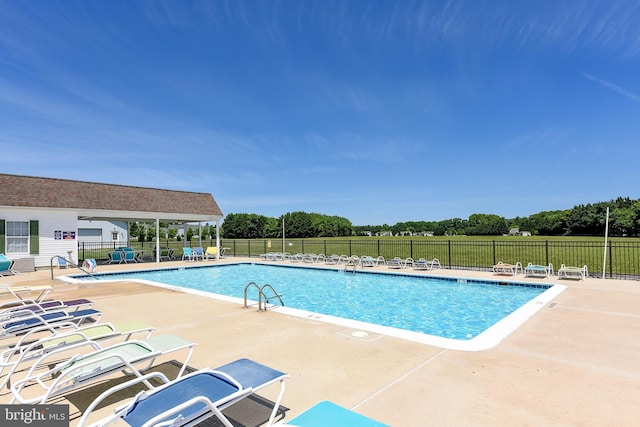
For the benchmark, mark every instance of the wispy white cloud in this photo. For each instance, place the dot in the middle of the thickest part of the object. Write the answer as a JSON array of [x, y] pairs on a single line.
[[630, 95], [540, 139]]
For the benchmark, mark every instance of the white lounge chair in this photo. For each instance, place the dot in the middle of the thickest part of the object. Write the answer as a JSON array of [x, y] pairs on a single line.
[[367, 261], [310, 258], [424, 264], [507, 269], [88, 367], [344, 259], [398, 262], [17, 293], [565, 272], [27, 350], [395, 262], [535, 270], [332, 260]]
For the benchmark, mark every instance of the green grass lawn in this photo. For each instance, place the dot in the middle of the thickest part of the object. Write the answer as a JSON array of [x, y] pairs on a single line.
[[473, 252]]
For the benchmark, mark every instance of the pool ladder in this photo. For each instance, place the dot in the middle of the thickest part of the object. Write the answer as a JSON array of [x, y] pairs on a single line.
[[350, 266], [262, 296]]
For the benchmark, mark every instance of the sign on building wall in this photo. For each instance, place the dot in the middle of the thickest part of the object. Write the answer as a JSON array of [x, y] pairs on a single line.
[[64, 235]]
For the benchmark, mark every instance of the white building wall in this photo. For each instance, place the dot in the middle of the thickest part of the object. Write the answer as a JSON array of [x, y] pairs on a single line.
[[105, 233], [50, 221]]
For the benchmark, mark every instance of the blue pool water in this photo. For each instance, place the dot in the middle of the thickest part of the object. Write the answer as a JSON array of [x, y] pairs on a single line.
[[445, 307]]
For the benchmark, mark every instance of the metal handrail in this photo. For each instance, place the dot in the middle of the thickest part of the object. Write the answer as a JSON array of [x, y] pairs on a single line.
[[261, 295], [70, 263], [266, 299], [246, 288]]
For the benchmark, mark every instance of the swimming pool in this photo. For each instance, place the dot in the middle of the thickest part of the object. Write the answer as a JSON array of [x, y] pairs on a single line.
[[450, 312]]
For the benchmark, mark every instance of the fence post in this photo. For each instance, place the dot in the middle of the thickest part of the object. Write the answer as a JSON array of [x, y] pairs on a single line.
[[546, 249], [449, 253], [493, 245], [610, 260]]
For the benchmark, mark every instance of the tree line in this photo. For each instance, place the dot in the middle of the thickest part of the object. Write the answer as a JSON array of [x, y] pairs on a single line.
[[581, 220], [295, 225]]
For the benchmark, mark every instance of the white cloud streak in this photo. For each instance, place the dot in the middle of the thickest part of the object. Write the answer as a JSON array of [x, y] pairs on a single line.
[[632, 96]]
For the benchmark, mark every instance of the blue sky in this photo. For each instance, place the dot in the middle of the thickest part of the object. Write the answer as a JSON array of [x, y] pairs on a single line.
[[376, 111]]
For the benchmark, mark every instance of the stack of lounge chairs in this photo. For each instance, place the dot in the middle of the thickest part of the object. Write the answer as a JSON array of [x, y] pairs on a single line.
[[48, 350], [59, 356], [398, 262], [424, 264], [541, 271]]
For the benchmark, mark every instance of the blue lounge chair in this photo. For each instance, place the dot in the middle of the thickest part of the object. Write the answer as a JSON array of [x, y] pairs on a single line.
[[62, 262], [187, 253], [129, 256], [194, 397], [6, 266], [40, 306], [327, 413], [198, 253], [116, 257], [535, 270], [21, 321]]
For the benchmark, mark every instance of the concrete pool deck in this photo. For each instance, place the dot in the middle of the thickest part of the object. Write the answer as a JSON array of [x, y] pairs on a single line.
[[574, 362]]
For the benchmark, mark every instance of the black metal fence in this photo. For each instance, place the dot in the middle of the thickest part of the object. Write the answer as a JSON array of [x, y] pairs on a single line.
[[622, 258]]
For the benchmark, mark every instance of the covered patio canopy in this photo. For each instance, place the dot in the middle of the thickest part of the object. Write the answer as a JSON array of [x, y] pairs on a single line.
[[98, 201]]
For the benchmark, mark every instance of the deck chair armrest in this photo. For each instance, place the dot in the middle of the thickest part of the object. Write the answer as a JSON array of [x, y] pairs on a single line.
[[43, 328], [116, 389], [149, 330], [68, 369], [214, 407]]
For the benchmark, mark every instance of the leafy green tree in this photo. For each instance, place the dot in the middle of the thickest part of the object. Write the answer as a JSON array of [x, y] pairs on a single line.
[[298, 225], [621, 222], [486, 225], [142, 232], [134, 230]]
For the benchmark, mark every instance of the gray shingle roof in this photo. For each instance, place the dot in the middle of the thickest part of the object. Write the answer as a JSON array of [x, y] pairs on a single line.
[[36, 192]]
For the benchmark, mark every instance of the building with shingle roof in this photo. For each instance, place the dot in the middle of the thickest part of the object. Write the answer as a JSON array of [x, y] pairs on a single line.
[[39, 216]]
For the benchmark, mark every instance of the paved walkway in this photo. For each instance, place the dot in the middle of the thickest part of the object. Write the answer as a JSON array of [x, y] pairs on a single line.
[[574, 363]]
